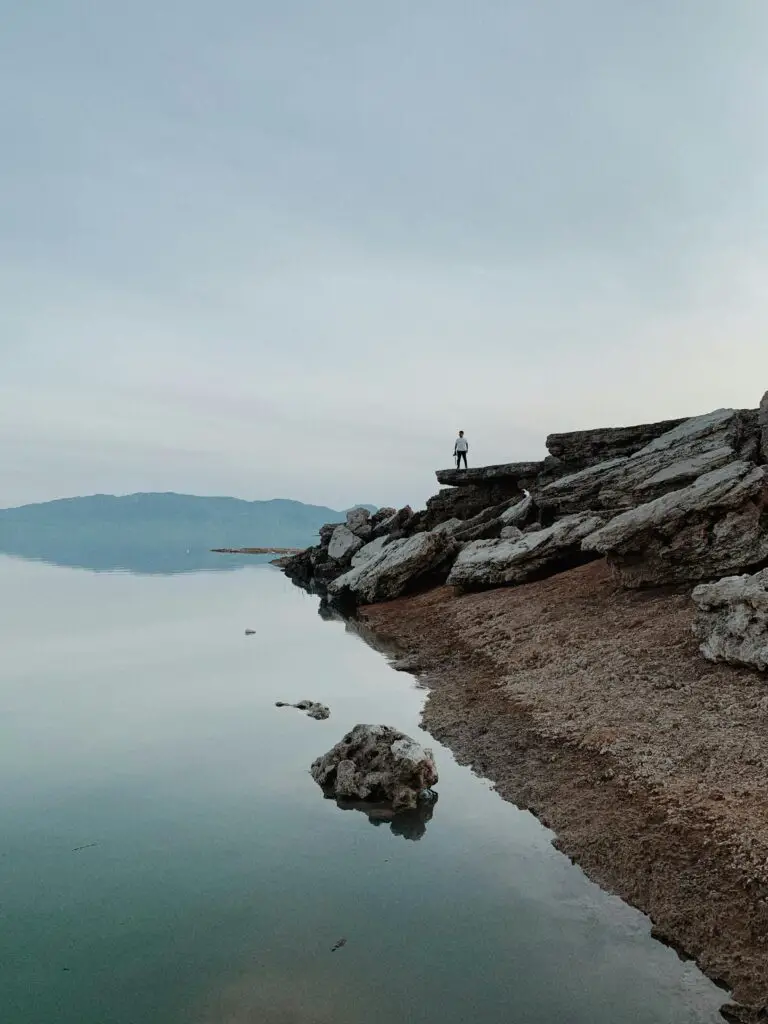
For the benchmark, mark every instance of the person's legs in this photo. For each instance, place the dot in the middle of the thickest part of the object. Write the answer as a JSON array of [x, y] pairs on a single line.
[[462, 455]]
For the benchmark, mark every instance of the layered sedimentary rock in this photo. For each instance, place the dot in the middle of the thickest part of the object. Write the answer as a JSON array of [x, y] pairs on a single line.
[[671, 460], [395, 569], [588, 447], [498, 563], [716, 526], [666, 502], [732, 619]]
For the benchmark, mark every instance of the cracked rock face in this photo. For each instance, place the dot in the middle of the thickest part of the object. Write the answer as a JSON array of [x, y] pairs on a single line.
[[504, 562], [715, 526], [673, 460], [380, 764], [343, 544], [396, 568], [732, 620]]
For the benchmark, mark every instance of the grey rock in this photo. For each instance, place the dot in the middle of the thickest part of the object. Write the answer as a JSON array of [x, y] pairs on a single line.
[[397, 568], [677, 457], [713, 527], [343, 544], [312, 707], [732, 620], [588, 447], [394, 523], [510, 471], [368, 550], [358, 520], [498, 563], [377, 763], [326, 532], [511, 533], [519, 513], [450, 526], [762, 419]]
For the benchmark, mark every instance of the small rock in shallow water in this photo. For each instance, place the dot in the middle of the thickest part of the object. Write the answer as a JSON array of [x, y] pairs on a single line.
[[338, 945], [312, 707], [250, 632], [377, 763]]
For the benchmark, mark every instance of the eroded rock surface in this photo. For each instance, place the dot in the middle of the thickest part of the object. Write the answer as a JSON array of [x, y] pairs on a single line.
[[675, 458], [312, 708], [497, 563], [716, 526], [397, 568], [732, 620], [588, 447], [343, 544], [379, 764]]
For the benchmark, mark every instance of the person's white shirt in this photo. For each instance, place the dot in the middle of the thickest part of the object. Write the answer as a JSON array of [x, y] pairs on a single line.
[[462, 445]]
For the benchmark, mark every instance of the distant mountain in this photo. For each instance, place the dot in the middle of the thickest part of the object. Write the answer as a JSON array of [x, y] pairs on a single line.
[[157, 532]]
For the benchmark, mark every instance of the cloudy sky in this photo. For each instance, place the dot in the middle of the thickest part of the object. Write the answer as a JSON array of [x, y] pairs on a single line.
[[287, 248]]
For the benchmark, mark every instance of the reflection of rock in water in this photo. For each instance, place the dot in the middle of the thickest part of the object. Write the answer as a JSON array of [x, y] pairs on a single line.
[[411, 824]]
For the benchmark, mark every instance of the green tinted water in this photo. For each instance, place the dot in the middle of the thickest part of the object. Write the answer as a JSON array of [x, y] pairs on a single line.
[[165, 856]]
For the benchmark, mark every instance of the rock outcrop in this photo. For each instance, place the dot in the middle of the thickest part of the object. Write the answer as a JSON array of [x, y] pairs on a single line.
[[343, 544], [671, 460], [666, 502], [588, 447], [512, 473], [716, 526], [732, 620], [499, 563], [397, 568], [379, 764]]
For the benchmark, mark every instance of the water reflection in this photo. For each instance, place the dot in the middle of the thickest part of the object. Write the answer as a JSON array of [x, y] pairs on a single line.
[[410, 824], [142, 559]]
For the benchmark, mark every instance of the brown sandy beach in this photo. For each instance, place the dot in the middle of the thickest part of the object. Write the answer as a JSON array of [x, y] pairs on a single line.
[[592, 706]]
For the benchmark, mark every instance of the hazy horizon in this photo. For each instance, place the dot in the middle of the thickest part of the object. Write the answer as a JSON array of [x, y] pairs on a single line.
[[259, 250]]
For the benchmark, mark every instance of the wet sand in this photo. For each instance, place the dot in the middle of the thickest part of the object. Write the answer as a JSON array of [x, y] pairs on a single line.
[[593, 707]]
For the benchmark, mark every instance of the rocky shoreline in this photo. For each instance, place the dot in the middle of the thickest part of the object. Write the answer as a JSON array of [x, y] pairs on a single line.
[[589, 648]]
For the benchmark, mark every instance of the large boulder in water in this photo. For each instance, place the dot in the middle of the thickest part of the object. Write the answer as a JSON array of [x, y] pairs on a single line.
[[507, 561], [715, 527], [396, 568], [732, 620], [380, 764]]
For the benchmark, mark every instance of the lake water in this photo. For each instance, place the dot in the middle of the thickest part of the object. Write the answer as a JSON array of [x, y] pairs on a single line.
[[165, 857]]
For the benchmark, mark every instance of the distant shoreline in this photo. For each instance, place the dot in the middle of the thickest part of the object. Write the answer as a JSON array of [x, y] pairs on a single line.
[[256, 551]]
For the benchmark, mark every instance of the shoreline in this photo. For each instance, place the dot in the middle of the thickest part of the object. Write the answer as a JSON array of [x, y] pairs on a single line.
[[591, 706]]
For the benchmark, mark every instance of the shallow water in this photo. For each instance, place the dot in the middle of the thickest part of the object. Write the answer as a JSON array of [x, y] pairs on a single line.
[[165, 856]]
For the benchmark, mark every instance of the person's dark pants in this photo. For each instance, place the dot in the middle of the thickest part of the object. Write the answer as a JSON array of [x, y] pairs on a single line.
[[459, 457]]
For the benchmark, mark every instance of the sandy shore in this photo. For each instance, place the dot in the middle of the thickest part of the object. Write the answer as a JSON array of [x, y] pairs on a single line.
[[593, 707]]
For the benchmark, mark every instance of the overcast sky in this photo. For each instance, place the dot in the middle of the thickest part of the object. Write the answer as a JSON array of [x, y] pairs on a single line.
[[283, 248]]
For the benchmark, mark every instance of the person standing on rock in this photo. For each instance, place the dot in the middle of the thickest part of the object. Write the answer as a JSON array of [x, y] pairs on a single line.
[[460, 450]]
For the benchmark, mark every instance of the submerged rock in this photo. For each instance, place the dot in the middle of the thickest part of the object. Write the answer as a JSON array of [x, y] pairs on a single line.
[[503, 562], [732, 620], [715, 526], [380, 764], [312, 707]]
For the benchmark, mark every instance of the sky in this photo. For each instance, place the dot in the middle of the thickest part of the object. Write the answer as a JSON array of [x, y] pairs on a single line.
[[282, 248]]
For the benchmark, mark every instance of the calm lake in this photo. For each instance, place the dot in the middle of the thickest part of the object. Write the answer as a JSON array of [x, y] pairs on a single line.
[[166, 858]]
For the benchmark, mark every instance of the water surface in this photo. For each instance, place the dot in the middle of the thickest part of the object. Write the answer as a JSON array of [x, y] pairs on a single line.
[[165, 856]]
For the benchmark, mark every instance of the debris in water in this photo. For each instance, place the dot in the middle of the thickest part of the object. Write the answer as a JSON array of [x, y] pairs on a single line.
[[338, 945], [86, 847], [250, 632]]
